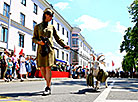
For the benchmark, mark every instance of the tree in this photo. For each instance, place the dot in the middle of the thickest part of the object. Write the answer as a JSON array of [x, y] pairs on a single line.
[[130, 43]]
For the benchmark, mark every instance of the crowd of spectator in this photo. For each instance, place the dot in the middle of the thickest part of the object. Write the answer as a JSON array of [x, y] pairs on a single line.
[[13, 67], [78, 72], [122, 74], [24, 67], [75, 71]]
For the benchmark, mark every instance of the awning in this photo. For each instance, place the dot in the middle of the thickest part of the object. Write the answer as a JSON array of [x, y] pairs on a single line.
[[60, 61]]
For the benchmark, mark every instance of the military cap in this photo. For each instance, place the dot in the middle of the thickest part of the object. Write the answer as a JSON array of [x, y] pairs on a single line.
[[48, 11]]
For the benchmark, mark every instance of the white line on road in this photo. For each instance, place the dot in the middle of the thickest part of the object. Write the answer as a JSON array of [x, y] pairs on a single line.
[[121, 101], [104, 94], [102, 97]]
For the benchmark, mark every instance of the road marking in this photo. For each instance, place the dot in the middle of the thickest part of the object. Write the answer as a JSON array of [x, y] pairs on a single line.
[[11, 99], [121, 101], [102, 97], [104, 94], [4, 97], [120, 90]]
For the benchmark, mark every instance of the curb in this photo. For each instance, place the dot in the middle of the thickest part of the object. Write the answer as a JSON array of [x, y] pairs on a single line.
[[36, 79]]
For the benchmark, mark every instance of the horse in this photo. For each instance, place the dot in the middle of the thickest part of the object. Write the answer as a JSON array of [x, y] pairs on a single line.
[[97, 72]]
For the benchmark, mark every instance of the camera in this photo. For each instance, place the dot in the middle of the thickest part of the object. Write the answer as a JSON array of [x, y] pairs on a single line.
[[44, 39]]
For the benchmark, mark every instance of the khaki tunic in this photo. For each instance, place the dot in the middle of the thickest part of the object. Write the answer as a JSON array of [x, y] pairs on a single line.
[[50, 32]]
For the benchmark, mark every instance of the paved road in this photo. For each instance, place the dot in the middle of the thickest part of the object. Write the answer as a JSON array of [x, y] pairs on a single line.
[[72, 90], [120, 90]]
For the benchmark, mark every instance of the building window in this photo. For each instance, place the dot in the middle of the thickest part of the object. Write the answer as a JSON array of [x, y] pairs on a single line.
[[67, 34], [62, 55], [34, 23], [81, 44], [67, 57], [75, 57], [35, 8], [23, 2], [75, 35], [52, 22], [4, 34], [58, 26], [75, 42], [22, 19], [81, 62], [33, 46], [21, 40], [57, 53], [63, 31], [6, 10]]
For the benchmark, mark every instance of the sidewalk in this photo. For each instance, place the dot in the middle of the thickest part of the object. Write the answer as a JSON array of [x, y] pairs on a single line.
[[34, 79]]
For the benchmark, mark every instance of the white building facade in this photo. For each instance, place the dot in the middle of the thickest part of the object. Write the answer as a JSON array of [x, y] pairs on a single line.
[[16, 27], [79, 44]]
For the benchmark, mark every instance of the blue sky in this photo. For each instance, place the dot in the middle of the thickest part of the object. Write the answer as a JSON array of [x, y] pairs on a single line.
[[102, 22]]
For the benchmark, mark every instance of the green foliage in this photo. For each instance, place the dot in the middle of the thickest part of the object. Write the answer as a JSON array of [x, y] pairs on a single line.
[[130, 43], [128, 62]]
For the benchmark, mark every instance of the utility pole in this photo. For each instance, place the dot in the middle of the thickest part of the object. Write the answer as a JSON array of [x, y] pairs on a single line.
[[9, 22]]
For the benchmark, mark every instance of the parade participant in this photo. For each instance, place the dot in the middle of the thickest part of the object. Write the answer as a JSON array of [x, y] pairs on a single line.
[[43, 34]]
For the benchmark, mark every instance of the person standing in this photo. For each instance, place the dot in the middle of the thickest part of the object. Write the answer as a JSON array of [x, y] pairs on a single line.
[[43, 34], [6, 57], [22, 67], [33, 65], [14, 60], [9, 70], [3, 66], [28, 67]]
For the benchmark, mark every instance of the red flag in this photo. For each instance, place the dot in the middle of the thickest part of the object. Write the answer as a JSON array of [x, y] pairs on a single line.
[[113, 63], [20, 53], [14, 49]]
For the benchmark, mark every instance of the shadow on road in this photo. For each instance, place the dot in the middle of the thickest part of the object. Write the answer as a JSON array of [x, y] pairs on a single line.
[[21, 94], [126, 84], [82, 83], [83, 91]]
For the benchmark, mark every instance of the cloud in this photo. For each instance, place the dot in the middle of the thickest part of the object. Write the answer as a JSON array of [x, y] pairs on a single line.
[[119, 28], [62, 5], [90, 23]]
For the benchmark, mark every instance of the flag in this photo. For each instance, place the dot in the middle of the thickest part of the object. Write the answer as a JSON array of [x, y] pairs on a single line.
[[113, 63], [14, 49], [20, 53]]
